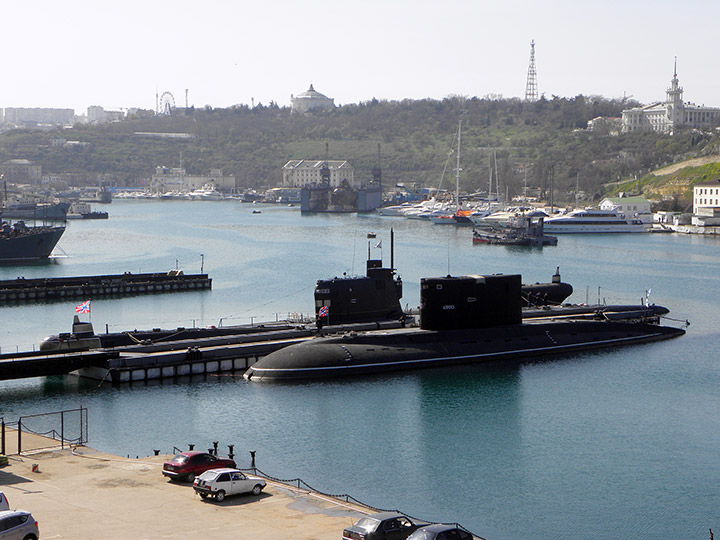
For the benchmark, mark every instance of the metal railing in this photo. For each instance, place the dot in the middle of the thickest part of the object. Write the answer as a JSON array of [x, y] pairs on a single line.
[[67, 427], [301, 484]]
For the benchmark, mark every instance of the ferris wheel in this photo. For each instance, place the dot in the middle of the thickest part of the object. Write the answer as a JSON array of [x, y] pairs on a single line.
[[166, 104]]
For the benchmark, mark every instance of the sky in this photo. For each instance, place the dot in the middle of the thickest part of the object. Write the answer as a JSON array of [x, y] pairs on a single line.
[[118, 55]]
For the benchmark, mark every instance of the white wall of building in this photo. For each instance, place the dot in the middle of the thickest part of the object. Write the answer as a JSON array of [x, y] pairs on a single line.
[[301, 172]]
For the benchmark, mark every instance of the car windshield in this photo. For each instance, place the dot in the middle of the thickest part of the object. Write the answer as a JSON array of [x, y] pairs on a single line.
[[180, 458], [367, 523], [423, 535], [208, 476]]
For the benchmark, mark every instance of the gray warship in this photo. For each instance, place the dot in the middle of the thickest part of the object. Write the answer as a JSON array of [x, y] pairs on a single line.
[[20, 243]]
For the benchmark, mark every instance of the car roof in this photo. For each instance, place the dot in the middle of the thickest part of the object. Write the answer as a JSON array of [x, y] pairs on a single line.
[[6, 513], [223, 470], [382, 516]]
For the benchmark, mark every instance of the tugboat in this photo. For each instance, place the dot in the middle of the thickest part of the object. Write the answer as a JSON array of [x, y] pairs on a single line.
[[83, 210], [523, 230], [20, 243]]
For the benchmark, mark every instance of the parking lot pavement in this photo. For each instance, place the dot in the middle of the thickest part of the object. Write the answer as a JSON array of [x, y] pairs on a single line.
[[91, 495]]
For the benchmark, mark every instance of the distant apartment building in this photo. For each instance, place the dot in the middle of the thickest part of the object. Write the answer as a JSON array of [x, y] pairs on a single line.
[[177, 179], [665, 116], [304, 172], [29, 117], [706, 203], [310, 101], [98, 115], [21, 171]]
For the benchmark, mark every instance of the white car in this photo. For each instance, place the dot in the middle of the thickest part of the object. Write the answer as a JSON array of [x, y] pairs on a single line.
[[18, 525], [219, 483]]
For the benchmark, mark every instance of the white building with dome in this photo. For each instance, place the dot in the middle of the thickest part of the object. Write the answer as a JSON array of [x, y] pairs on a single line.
[[664, 117], [310, 101]]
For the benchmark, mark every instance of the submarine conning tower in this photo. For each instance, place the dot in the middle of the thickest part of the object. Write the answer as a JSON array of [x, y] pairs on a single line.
[[370, 298], [546, 294], [460, 302], [374, 297], [82, 329]]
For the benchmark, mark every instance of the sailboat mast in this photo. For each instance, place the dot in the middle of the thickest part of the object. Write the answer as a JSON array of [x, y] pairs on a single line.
[[457, 168], [489, 182], [497, 178]]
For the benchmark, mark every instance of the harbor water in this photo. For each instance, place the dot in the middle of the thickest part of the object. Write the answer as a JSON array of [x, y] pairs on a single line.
[[601, 445]]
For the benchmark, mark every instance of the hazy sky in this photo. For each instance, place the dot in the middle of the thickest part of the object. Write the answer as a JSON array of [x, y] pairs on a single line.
[[78, 53]]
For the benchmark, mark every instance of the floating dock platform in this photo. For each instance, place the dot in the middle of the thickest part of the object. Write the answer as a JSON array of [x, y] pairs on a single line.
[[160, 360], [53, 289]]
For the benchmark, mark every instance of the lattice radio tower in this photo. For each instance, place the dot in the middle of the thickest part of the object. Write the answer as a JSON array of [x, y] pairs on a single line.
[[531, 91]]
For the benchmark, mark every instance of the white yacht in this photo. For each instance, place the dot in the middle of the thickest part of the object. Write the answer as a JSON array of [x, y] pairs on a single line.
[[396, 210], [500, 218], [593, 221], [206, 193]]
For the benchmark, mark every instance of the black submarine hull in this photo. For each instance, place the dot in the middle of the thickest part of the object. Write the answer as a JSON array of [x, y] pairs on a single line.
[[404, 349]]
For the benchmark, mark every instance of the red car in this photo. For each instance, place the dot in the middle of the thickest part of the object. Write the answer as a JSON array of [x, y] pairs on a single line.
[[188, 465]]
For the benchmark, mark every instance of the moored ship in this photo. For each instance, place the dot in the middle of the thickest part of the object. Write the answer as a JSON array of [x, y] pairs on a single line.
[[593, 221], [20, 243], [521, 231], [37, 211]]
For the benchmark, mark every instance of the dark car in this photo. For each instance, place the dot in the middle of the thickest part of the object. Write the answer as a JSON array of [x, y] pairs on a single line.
[[188, 465], [441, 532], [382, 526]]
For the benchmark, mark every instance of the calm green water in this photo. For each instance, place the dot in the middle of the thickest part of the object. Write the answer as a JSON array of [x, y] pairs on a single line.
[[619, 444]]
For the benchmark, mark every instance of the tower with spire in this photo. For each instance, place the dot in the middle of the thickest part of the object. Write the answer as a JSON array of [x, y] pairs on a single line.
[[667, 116], [674, 99]]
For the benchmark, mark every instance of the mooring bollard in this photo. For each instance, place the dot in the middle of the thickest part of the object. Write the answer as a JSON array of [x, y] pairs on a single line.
[[252, 458], [231, 455], [215, 445], [157, 452], [191, 447]]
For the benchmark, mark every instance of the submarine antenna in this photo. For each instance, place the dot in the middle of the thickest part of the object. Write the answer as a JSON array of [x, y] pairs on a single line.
[[448, 256], [354, 245], [392, 249]]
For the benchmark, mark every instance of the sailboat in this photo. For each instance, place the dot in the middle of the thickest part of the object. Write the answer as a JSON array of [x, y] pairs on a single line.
[[447, 217]]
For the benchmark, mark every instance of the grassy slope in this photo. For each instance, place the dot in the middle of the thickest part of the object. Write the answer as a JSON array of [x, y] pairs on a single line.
[[677, 180]]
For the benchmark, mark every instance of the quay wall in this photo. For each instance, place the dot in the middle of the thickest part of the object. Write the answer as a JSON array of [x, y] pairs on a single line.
[[53, 289]]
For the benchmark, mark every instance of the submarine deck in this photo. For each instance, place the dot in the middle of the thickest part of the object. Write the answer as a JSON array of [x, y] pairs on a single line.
[[393, 350]]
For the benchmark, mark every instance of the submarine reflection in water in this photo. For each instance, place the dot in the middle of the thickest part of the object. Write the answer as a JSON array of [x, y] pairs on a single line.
[[465, 319]]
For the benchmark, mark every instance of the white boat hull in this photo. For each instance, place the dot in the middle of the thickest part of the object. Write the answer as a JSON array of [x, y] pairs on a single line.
[[567, 228]]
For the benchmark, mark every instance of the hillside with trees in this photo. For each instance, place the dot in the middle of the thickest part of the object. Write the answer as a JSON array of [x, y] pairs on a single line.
[[536, 144]]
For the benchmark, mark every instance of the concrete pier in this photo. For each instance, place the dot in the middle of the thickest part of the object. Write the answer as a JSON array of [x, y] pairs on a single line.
[[85, 494], [23, 290]]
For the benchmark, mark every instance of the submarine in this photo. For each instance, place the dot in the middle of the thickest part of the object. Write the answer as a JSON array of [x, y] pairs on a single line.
[[376, 296], [83, 337], [463, 320]]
